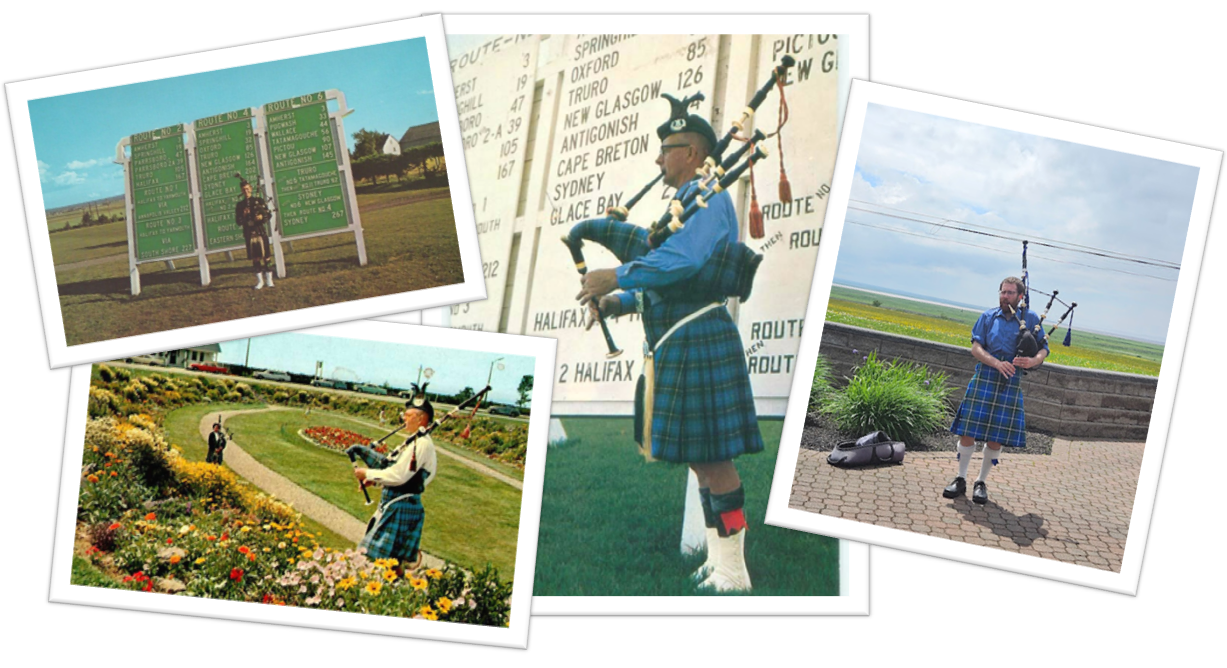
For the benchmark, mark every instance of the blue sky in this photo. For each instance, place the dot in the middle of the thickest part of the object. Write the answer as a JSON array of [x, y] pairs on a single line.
[[1023, 185], [389, 86], [376, 362]]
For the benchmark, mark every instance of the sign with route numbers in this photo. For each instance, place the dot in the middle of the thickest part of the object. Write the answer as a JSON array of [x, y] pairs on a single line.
[[302, 144], [225, 145], [161, 194]]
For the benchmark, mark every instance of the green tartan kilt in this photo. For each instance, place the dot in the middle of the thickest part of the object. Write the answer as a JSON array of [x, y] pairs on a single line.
[[397, 532], [704, 407], [992, 409]]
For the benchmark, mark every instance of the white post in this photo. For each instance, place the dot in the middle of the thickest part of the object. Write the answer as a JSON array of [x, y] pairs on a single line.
[[266, 176], [351, 202], [134, 274], [694, 534], [193, 179]]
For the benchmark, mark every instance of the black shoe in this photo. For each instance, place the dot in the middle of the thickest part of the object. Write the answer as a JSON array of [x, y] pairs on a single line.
[[956, 488], [980, 494]]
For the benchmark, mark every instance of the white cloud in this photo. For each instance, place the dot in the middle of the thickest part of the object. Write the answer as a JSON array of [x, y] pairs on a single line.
[[68, 179], [43, 169], [85, 164], [426, 92]]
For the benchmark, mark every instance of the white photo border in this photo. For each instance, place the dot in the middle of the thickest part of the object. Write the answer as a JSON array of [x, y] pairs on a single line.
[[853, 30], [19, 93], [1208, 161], [514, 635]]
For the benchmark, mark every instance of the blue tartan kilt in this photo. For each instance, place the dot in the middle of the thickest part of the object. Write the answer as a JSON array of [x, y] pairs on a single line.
[[704, 407], [992, 409], [397, 533]]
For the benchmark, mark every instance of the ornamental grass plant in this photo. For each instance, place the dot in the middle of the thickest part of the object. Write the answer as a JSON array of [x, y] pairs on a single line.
[[905, 400]]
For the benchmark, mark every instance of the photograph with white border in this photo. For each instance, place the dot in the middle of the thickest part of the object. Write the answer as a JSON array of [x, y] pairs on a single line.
[[1035, 446], [246, 190], [564, 130], [271, 479]]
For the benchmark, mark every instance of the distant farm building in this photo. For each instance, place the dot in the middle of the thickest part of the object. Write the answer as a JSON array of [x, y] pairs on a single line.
[[421, 135], [390, 145], [206, 354]]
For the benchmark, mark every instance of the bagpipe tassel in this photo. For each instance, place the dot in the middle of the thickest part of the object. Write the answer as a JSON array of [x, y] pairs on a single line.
[[785, 186], [1069, 332], [468, 429], [756, 214]]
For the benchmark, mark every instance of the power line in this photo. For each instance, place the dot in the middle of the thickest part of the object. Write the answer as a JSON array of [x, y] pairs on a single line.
[[1038, 241], [1007, 252]]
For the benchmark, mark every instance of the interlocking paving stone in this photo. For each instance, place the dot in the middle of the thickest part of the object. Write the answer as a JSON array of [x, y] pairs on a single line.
[[1072, 506]]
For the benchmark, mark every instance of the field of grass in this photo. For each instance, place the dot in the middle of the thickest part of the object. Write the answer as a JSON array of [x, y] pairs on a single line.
[[411, 245], [471, 519], [953, 326], [611, 523], [62, 217]]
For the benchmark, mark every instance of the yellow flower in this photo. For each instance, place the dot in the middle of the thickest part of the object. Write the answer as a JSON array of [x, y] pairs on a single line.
[[389, 575], [417, 583], [281, 545], [434, 573], [348, 582], [444, 603], [373, 587], [200, 561], [244, 529], [428, 612]]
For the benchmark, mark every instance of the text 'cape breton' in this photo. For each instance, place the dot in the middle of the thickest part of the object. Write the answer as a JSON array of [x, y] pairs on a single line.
[[703, 408]]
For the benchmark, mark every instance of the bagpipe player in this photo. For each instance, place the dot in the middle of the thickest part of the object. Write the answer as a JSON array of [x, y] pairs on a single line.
[[395, 531], [702, 408], [252, 216], [992, 408]]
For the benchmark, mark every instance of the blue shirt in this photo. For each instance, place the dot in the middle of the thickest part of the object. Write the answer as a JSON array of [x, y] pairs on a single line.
[[998, 334], [684, 253]]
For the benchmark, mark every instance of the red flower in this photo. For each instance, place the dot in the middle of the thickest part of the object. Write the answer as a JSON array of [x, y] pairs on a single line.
[[169, 541], [148, 586], [225, 536], [243, 549], [267, 598], [113, 527], [151, 517], [236, 574]]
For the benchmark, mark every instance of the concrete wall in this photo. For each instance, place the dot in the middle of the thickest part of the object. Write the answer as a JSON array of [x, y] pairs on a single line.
[[1060, 400]]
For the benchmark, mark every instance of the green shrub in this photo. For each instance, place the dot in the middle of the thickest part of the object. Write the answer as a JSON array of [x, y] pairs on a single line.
[[822, 383], [106, 374], [906, 401], [122, 374], [233, 397]]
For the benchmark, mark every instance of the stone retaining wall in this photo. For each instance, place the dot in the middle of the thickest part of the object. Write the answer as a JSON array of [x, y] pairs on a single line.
[[1060, 400]]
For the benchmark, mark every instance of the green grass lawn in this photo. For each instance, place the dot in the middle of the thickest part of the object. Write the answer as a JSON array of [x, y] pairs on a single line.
[[182, 427], [88, 575], [411, 245], [611, 523], [471, 519]]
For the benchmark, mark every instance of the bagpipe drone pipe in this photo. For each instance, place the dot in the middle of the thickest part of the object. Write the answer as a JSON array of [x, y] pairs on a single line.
[[1029, 339], [376, 460]]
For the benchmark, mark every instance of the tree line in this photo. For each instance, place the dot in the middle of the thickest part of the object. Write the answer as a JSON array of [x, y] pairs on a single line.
[[369, 161]]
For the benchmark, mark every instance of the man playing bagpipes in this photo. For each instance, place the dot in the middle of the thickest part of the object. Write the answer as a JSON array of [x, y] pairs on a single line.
[[395, 532], [701, 409], [252, 216], [217, 443], [992, 408]]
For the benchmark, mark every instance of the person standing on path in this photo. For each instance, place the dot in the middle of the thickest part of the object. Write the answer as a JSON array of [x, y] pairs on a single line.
[[992, 408], [217, 443]]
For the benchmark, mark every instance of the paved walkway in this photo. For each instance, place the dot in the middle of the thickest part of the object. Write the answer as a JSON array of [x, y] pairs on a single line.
[[285, 490], [1072, 506]]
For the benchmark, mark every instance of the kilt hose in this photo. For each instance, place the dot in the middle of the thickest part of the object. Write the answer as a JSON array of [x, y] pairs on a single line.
[[703, 407], [992, 409], [396, 529], [257, 248]]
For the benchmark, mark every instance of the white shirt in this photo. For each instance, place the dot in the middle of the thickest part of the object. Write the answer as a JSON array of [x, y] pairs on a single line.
[[398, 473]]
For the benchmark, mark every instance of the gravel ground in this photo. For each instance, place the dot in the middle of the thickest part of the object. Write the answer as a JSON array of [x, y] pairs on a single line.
[[821, 436]]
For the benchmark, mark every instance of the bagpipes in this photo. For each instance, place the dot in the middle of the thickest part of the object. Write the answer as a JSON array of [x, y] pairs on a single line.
[[1028, 340], [261, 195], [376, 460]]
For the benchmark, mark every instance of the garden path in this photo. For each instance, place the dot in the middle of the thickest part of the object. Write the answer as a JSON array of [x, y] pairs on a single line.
[[284, 489]]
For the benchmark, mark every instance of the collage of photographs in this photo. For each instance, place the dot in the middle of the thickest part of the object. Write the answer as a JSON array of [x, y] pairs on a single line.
[[432, 326]]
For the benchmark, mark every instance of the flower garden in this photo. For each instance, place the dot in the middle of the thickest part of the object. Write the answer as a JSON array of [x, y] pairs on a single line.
[[335, 438], [150, 520]]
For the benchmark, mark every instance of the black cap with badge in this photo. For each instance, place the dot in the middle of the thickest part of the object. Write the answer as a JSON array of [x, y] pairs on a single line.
[[681, 120]]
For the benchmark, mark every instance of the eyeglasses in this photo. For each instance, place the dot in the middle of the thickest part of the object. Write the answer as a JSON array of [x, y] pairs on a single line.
[[666, 147]]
